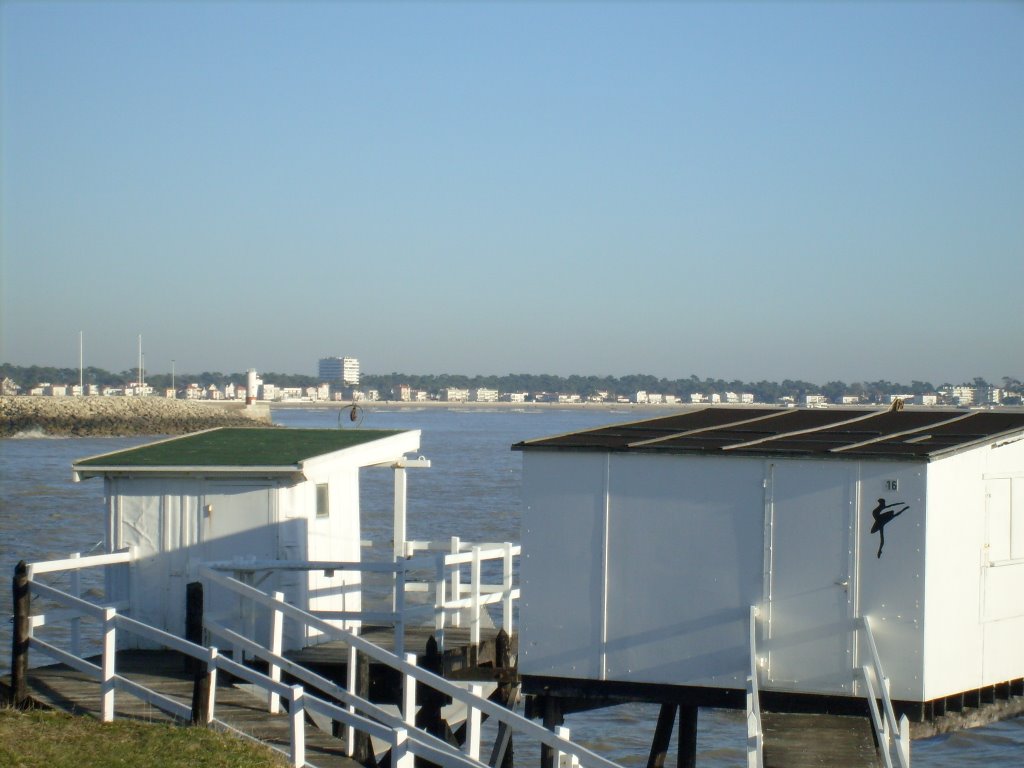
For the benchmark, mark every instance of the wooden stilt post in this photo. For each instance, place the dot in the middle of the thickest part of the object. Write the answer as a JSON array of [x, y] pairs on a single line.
[[553, 718], [194, 623], [362, 749], [19, 641], [502, 756], [662, 736], [430, 700], [194, 634], [687, 737]]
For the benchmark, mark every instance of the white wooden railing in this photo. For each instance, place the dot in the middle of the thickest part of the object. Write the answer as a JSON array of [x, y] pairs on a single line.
[[475, 704], [354, 713], [755, 733], [439, 575], [892, 736]]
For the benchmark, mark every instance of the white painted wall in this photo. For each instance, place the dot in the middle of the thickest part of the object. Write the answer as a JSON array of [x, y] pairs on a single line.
[[890, 588], [685, 544], [561, 572], [975, 613]]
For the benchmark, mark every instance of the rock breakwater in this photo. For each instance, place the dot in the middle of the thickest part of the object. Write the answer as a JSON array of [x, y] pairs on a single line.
[[109, 416]]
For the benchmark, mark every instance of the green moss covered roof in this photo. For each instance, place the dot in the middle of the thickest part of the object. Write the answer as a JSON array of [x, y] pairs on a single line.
[[244, 447]]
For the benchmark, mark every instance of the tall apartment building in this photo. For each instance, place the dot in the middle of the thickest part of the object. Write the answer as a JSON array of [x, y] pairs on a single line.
[[339, 369]]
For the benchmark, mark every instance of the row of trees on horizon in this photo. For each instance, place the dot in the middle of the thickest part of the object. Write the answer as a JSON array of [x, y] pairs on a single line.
[[764, 391]]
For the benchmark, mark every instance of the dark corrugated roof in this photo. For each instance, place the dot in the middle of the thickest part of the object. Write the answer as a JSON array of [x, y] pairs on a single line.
[[832, 432]]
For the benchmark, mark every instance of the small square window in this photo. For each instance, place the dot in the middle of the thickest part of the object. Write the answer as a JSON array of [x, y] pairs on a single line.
[[323, 501]]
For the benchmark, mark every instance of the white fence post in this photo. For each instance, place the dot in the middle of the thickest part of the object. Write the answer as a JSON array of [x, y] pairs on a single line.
[[76, 622], [506, 585], [564, 759], [109, 663], [472, 745], [439, 611], [401, 756], [904, 743], [409, 694], [474, 590], [276, 644], [211, 671], [350, 731], [297, 725], [456, 590], [400, 576]]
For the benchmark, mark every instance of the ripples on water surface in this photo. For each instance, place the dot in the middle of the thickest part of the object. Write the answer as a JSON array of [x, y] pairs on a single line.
[[472, 491]]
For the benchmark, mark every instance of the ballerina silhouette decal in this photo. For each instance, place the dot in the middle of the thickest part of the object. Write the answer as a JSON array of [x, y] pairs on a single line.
[[883, 514]]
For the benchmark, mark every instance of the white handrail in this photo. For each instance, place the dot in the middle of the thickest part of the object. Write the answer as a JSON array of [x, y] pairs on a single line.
[[755, 733], [78, 563], [886, 726], [472, 597], [502, 715], [395, 732], [402, 738]]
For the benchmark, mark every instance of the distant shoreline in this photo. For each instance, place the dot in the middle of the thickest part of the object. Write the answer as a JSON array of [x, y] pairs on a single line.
[[393, 405]]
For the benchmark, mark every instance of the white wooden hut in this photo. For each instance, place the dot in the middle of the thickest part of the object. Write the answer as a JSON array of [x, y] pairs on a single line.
[[243, 494], [645, 545]]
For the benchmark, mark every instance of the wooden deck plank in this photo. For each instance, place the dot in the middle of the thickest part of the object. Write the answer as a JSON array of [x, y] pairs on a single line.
[[810, 741]]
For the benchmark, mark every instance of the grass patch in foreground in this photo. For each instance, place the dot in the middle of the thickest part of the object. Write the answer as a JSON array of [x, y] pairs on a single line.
[[44, 739]]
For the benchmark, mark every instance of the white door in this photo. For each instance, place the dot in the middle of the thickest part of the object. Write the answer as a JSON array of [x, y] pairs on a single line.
[[236, 524], [811, 517]]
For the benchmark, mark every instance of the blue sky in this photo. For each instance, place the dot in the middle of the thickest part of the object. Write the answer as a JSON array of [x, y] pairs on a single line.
[[797, 190]]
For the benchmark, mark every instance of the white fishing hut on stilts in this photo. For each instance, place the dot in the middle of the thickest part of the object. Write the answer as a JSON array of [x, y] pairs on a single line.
[[245, 495], [646, 546]]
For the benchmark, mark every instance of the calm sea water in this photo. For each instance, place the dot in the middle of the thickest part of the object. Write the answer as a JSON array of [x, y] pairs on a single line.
[[472, 491]]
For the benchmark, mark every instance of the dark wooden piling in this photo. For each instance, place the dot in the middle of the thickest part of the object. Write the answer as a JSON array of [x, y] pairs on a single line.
[[662, 736], [502, 756], [193, 620], [553, 717], [19, 640], [687, 757], [362, 749], [431, 701], [194, 634]]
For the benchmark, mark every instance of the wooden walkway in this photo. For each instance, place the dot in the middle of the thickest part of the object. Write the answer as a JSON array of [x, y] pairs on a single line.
[[810, 741], [60, 687]]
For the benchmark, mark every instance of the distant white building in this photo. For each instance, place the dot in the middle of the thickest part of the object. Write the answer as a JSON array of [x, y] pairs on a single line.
[[732, 397], [484, 395], [8, 387], [697, 397], [959, 395], [455, 395], [514, 397], [747, 398], [811, 400], [641, 396], [339, 369], [564, 399], [926, 399], [849, 399], [402, 393], [715, 397]]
